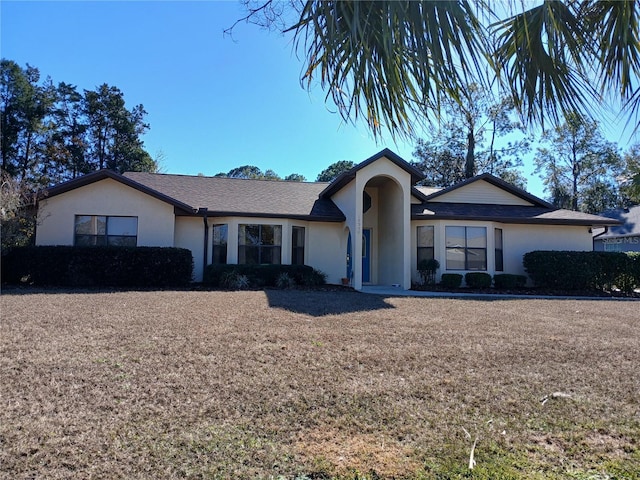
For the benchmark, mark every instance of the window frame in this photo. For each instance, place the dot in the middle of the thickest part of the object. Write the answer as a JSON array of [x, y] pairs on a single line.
[[467, 250], [104, 239], [421, 250], [499, 252], [219, 245], [260, 248], [297, 251]]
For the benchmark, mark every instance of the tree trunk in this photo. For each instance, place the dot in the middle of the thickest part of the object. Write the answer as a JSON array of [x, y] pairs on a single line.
[[469, 168]]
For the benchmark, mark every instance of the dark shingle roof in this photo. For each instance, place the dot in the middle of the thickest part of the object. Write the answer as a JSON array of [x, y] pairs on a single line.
[[506, 214], [630, 218], [346, 177], [233, 196]]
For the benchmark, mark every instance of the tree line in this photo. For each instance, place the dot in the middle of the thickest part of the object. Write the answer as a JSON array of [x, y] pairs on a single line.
[[52, 132]]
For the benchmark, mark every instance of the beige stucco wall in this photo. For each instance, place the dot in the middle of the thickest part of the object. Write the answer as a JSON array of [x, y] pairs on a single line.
[[520, 239], [516, 239], [388, 267], [56, 215], [324, 242], [481, 192]]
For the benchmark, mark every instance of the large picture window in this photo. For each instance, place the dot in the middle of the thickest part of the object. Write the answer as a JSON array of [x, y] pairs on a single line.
[[93, 230], [466, 248], [425, 243], [297, 246], [259, 244], [219, 252]]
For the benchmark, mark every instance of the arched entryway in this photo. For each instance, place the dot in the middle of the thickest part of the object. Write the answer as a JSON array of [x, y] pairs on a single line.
[[383, 232]]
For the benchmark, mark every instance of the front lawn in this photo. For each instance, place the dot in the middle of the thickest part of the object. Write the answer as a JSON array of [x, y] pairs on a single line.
[[308, 384]]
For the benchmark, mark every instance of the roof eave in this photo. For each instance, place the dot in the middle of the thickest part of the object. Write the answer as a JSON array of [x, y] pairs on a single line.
[[109, 174], [519, 220]]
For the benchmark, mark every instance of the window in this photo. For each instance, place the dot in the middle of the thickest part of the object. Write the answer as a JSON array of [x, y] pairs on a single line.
[[466, 248], [498, 245], [219, 252], [297, 246], [258, 244], [92, 230], [425, 243]]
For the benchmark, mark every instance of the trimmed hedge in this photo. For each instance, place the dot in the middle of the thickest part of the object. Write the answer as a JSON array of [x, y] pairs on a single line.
[[263, 275], [98, 266], [568, 270], [451, 280], [477, 280], [509, 281]]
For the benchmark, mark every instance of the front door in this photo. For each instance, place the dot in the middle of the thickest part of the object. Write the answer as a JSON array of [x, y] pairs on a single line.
[[366, 255]]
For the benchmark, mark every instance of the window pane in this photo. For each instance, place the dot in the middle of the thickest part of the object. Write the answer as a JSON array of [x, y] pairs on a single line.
[[498, 237], [425, 236], [455, 237], [220, 254], [455, 259], [297, 237], [476, 237], [425, 253], [476, 259], [121, 241], [248, 255], [91, 225], [122, 226], [249, 235], [271, 234], [270, 255], [220, 234]]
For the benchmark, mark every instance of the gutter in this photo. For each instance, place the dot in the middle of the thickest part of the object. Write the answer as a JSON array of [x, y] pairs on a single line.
[[593, 239]]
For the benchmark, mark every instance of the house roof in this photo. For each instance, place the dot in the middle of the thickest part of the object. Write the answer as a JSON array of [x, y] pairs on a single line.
[[104, 174], [630, 218], [242, 197], [311, 200], [346, 177], [506, 214]]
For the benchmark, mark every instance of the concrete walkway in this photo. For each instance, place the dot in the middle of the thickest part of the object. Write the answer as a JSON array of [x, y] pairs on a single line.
[[389, 291]]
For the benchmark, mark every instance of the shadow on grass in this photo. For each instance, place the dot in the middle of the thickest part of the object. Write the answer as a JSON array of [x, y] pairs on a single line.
[[320, 303]]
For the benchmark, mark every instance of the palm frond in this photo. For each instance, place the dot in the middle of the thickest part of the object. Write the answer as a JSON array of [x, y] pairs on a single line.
[[541, 58], [390, 61]]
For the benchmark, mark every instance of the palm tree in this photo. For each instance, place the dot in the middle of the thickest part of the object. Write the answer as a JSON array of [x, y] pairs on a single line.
[[392, 62]]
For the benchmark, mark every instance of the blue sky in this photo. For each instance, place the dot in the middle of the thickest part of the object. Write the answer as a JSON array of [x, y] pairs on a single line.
[[213, 102]]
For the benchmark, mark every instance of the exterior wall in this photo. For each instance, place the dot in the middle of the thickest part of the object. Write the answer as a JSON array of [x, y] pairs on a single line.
[[390, 252], [189, 234], [516, 240], [481, 192], [56, 215], [326, 249], [520, 239], [325, 242], [399, 209]]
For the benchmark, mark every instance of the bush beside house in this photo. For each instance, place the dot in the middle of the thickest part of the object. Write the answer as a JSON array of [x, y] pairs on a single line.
[[238, 277], [75, 266], [567, 270]]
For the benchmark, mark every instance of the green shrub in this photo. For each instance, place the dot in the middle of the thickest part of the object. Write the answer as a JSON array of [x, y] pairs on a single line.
[[477, 280], [427, 269], [98, 266], [630, 278], [509, 281], [567, 270], [451, 280], [264, 275], [232, 280], [284, 281]]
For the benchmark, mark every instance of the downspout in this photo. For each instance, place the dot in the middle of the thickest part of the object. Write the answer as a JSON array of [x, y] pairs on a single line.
[[204, 212], [593, 240]]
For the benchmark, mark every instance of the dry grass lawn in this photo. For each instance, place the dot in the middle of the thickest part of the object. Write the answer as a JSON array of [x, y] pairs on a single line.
[[306, 384]]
